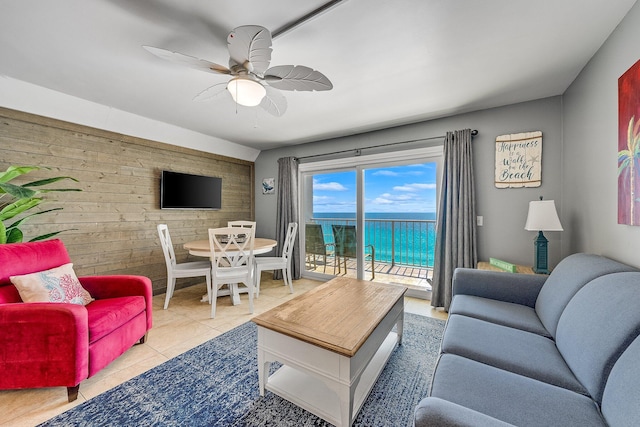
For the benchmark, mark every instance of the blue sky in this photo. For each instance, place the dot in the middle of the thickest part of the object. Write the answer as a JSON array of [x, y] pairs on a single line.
[[410, 188]]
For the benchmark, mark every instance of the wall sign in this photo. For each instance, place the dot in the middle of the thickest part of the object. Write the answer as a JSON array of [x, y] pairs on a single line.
[[519, 160]]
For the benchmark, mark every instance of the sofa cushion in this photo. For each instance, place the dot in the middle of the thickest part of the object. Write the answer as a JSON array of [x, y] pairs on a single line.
[[59, 284], [510, 349], [25, 258], [522, 289], [621, 399], [499, 312], [107, 315], [434, 412], [597, 325], [510, 397], [569, 276]]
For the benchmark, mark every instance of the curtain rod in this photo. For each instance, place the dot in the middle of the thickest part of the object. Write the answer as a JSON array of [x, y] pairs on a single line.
[[357, 150]]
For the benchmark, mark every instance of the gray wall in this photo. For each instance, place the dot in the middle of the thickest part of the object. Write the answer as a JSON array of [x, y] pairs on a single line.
[[504, 210], [590, 150]]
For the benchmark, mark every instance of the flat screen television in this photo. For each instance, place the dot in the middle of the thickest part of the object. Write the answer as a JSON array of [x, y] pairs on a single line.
[[186, 191]]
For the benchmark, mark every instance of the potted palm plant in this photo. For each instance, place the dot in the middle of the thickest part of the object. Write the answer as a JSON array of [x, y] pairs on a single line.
[[17, 202]]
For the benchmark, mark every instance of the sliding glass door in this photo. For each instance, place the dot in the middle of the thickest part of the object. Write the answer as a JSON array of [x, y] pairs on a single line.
[[329, 199], [400, 213], [372, 217]]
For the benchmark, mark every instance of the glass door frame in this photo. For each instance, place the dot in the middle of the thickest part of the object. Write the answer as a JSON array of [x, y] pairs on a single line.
[[359, 164]]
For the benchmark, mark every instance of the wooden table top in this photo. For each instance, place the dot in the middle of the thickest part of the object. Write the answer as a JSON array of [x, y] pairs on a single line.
[[338, 315], [202, 248]]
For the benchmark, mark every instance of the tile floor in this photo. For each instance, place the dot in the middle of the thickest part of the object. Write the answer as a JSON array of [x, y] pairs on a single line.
[[184, 325]]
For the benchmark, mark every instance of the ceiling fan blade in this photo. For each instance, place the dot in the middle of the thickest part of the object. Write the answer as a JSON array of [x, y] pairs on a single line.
[[296, 77], [189, 61], [250, 47], [274, 102], [211, 92]]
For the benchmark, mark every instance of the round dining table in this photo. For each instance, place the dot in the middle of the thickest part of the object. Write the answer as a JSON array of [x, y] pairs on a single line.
[[201, 248]]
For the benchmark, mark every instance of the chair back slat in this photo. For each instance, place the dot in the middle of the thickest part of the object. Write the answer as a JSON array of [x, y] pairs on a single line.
[[167, 246], [243, 224], [287, 248]]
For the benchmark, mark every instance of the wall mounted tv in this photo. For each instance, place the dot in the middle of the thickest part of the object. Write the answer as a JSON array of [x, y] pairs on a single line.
[[186, 191]]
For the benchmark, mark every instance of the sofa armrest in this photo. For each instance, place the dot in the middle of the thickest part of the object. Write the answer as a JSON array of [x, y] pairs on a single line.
[[516, 288], [434, 412], [43, 345], [103, 287]]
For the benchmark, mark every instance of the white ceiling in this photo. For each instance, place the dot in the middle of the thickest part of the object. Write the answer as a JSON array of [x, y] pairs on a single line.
[[391, 61]]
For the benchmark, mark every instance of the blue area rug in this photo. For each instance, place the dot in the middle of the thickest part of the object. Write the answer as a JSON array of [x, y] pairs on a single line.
[[216, 384]]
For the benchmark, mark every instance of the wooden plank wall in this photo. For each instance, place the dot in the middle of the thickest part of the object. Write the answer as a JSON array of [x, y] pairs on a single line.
[[116, 214]]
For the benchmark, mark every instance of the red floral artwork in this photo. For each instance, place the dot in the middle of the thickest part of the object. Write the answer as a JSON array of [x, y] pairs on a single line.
[[71, 289]]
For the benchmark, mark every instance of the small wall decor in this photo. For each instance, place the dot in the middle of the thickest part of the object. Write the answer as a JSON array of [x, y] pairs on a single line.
[[519, 160], [268, 186], [629, 146]]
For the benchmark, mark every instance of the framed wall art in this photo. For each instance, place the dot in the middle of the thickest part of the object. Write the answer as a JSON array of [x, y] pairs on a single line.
[[519, 160], [268, 186], [629, 146]]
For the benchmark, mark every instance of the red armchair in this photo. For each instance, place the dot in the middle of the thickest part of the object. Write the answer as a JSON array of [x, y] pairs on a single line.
[[45, 344]]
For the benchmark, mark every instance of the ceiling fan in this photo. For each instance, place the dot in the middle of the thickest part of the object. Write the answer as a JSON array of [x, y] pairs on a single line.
[[253, 82]]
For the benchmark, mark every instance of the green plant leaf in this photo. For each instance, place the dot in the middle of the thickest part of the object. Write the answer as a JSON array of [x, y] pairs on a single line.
[[14, 235], [48, 181], [17, 191], [49, 190], [49, 235], [15, 171], [18, 207], [25, 197], [23, 219]]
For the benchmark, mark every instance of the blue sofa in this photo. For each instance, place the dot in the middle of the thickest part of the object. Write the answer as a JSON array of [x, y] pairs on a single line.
[[534, 350]]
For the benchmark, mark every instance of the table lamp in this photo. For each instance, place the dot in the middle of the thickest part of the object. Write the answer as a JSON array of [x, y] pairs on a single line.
[[542, 216]]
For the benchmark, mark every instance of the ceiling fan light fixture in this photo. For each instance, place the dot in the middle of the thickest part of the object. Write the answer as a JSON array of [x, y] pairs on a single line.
[[246, 91], [249, 57]]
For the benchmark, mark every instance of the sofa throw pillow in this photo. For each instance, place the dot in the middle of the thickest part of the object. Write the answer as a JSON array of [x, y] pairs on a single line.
[[59, 284]]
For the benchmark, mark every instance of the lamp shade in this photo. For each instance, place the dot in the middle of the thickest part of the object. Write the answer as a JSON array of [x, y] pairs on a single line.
[[246, 91], [542, 216]]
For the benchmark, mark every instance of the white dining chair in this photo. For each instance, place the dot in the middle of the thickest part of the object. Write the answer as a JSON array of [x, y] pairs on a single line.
[[177, 270], [244, 224], [231, 261], [279, 263]]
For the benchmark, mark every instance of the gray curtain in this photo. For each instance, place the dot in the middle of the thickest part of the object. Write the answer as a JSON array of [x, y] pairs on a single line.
[[456, 223], [287, 190]]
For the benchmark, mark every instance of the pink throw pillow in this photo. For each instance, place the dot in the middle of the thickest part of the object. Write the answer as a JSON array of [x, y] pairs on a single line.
[[59, 284]]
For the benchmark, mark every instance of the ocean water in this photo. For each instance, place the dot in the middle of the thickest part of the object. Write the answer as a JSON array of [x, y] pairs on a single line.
[[404, 238]]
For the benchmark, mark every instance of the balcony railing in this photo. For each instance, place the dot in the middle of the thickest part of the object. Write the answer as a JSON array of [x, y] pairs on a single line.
[[396, 241]]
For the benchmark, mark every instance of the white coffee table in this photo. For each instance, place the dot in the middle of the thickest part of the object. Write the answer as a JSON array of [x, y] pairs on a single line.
[[333, 343]]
